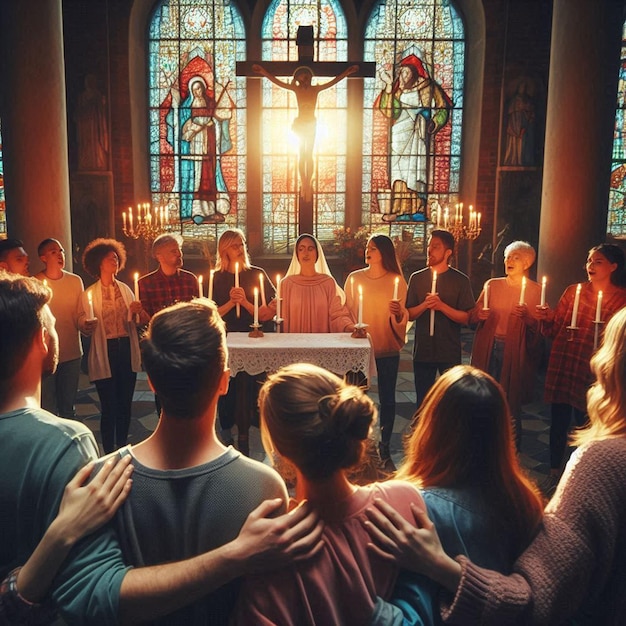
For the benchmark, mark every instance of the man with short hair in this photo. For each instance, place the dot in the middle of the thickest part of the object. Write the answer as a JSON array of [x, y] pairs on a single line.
[[169, 283], [42, 452], [13, 257], [451, 303], [58, 391], [200, 491]]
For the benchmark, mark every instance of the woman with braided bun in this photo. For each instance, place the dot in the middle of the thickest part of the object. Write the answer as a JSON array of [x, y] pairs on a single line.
[[314, 421]]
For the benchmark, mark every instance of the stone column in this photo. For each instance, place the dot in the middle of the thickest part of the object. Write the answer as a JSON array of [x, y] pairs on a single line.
[[584, 64], [34, 124]]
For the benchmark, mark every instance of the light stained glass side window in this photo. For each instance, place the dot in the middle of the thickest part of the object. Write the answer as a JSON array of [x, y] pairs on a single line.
[[413, 114], [3, 206], [279, 143], [617, 190], [197, 108]]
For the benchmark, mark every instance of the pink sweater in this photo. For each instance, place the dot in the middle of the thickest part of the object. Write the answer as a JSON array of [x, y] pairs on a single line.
[[575, 566], [340, 584]]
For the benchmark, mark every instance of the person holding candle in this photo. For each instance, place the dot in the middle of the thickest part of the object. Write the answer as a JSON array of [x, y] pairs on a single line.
[[451, 305], [382, 282], [58, 391], [238, 406], [312, 302], [169, 283], [507, 342], [569, 376], [114, 357]]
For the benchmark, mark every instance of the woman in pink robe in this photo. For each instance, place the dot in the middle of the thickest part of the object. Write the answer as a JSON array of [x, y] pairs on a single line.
[[312, 302]]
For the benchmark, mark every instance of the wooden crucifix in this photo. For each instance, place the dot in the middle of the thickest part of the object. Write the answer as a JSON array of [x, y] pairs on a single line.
[[304, 125]]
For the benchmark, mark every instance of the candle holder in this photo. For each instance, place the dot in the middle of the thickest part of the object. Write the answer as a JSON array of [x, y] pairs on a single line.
[[256, 331], [572, 332], [146, 224], [360, 331], [597, 326], [278, 321]]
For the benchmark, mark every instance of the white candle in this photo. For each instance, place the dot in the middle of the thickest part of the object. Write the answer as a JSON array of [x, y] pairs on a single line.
[[130, 218], [90, 301], [446, 217], [396, 282], [256, 306], [136, 277], [277, 296], [352, 288], [200, 294], [360, 318], [211, 273], [544, 280], [124, 219], [433, 287], [599, 307], [576, 303], [237, 307], [522, 295], [486, 295], [262, 286]]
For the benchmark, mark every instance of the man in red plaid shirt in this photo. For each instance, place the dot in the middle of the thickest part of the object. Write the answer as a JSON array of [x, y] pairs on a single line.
[[169, 283]]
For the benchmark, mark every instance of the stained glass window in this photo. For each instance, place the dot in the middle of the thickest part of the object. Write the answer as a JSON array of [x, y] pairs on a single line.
[[617, 190], [197, 115], [3, 217], [279, 108], [413, 113]]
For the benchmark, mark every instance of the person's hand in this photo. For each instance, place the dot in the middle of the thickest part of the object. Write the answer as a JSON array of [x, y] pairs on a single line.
[[266, 543], [386, 77], [544, 313], [238, 295], [413, 547], [433, 301], [89, 326], [396, 309], [135, 307], [86, 507], [483, 313]]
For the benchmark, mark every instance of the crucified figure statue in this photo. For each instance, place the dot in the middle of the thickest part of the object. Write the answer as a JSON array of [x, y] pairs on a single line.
[[305, 123]]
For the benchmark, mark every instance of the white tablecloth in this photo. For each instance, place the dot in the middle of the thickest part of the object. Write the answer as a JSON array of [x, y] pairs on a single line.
[[337, 352]]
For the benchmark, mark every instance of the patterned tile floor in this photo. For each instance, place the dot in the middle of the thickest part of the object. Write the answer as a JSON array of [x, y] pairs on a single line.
[[534, 454]]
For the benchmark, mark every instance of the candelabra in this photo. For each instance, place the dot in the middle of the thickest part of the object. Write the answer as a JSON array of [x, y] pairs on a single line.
[[145, 223], [455, 223]]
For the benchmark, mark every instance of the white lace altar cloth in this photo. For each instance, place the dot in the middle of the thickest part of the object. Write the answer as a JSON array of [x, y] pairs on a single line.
[[337, 352]]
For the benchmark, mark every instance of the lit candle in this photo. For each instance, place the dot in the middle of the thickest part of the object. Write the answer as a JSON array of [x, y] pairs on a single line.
[[238, 306], [446, 217], [130, 218], [211, 273], [479, 221], [360, 317], [544, 280], [200, 294], [433, 289], [599, 307], [278, 298], [262, 286], [522, 294], [256, 306], [486, 295], [90, 301], [124, 219], [576, 303], [136, 278], [396, 282]]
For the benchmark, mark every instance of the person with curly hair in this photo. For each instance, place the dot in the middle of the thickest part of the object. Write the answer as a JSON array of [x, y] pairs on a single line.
[[114, 358]]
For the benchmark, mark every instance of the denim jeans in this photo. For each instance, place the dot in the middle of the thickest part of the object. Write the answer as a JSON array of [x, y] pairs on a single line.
[[387, 368], [58, 391]]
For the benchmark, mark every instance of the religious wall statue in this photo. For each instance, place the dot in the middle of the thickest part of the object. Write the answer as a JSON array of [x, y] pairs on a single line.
[[520, 127], [304, 125], [91, 128], [418, 108], [198, 111]]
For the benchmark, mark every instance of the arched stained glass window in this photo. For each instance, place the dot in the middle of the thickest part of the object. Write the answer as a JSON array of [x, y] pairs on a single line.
[[197, 115], [617, 190], [413, 112], [279, 144]]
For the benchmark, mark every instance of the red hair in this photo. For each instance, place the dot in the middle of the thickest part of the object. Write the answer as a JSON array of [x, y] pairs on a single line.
[[464, 438]]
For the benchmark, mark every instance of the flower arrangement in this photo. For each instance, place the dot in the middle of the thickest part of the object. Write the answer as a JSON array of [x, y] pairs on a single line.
[[350, 244]]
